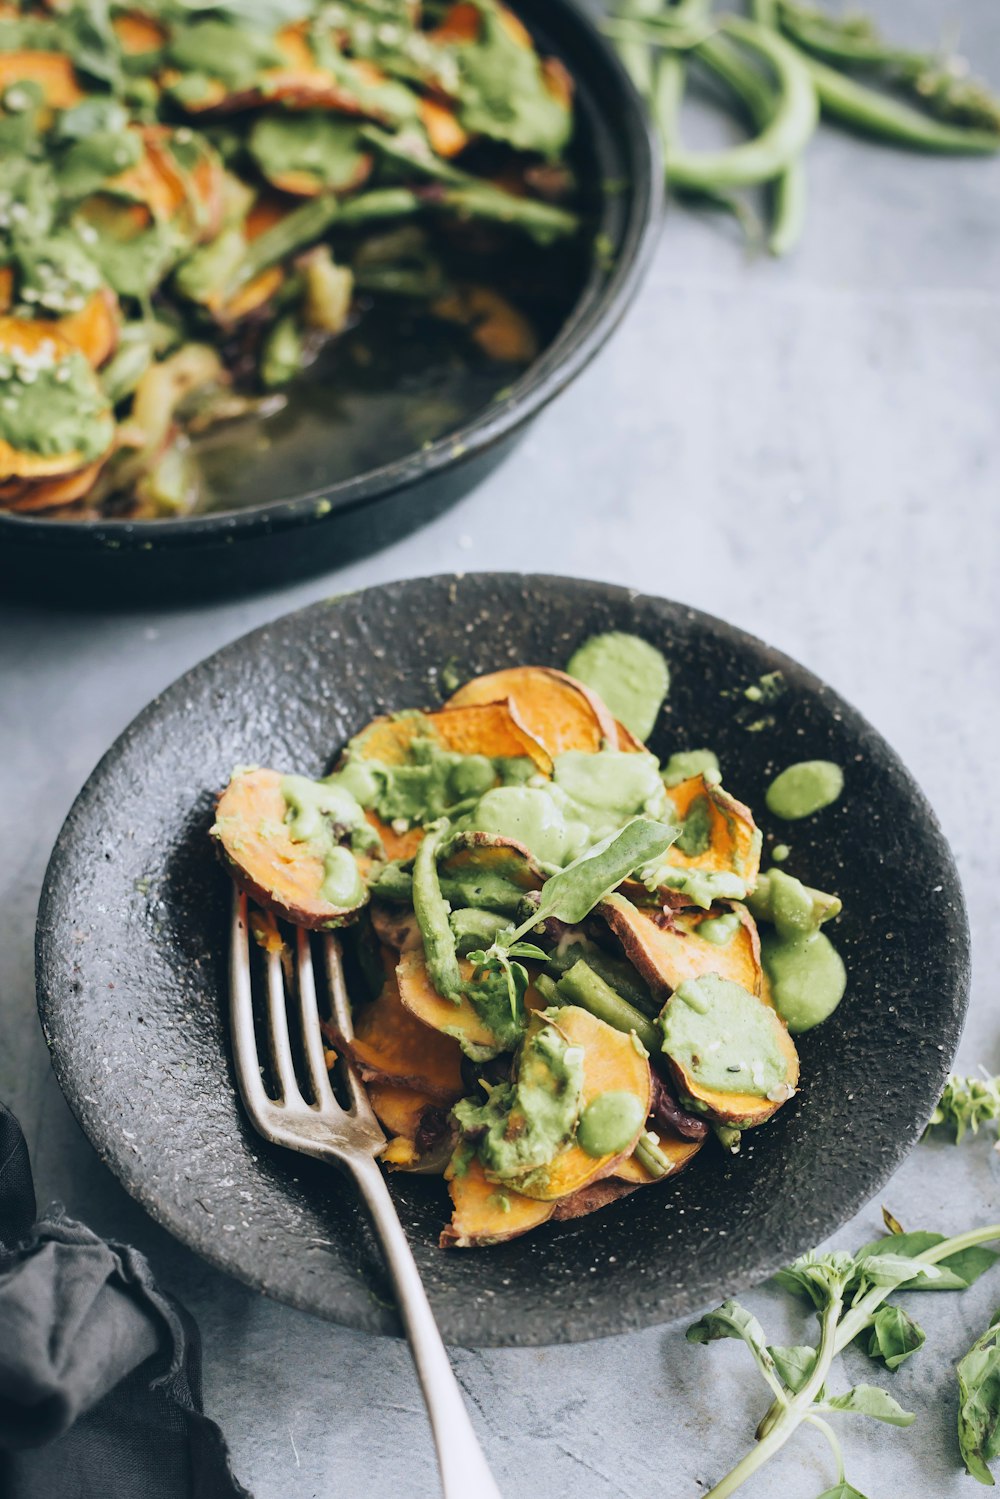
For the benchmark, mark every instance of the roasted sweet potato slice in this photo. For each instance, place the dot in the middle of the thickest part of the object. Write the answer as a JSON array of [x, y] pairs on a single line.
[[400, 846], [94, 329], [138, 33], [666, 948], [52, 71], [488, 728], [719, 833], [557, 711], [610, 1064], [592, 1198], [476, 855], [447, 136], [36, 340], [755, 1018], [284, 876], [400, 1109], [26, 495], [391, 1046], [677, 1150], [484, 1213], [494, 323], [420, 997]]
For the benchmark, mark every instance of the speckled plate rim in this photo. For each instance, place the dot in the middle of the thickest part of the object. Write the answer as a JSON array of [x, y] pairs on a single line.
[[644, 1309]]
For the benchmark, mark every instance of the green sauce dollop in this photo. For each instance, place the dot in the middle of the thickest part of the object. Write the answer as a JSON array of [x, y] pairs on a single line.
[[685, 764], [628, 673], [804, 789], [609, 1123], [322, 814], [805, 971]]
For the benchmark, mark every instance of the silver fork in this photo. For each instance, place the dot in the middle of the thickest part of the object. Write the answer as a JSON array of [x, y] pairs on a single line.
[[351, 1138]]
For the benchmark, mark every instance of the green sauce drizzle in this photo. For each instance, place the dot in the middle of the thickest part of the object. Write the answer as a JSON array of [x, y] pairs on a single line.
[[804, 789]]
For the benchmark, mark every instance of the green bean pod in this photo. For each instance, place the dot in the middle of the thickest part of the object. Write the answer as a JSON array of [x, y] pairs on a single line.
[[781, 140], [580, 985], [876, 114], [432, 913]]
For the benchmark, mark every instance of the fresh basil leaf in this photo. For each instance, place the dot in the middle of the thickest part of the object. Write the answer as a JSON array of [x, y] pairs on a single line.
[[958, 1271], [730, 1320], [794, 1364], [527, 950], [842, 1490], [979, 1403], [818, 1276], [573, 893], [871, 1400], [894, 1336], [896, 1270]]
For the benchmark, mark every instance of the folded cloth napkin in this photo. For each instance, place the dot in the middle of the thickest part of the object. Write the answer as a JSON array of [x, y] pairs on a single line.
[[100, 1372]]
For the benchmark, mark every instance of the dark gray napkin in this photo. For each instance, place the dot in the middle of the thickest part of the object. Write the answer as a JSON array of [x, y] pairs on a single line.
[[100, 1377]]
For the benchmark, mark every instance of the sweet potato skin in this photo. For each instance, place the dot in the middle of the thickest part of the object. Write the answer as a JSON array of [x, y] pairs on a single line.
[[666, 953]]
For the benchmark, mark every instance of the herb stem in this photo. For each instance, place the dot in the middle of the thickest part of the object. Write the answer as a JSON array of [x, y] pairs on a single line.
[[795, 1411], [831, 1436]]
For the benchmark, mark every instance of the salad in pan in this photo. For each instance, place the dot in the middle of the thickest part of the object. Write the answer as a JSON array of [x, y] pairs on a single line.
[[561, 989], [196, 198]]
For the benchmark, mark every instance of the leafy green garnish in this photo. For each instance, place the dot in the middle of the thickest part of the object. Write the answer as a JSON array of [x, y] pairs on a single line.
[[850, 1294], [979, 1403], [966, 1103], [573, 893]]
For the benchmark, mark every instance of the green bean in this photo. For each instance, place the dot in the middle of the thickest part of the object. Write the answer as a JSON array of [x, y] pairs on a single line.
[[872, 113], [282, 353], [469, 195], [582, 986], [620, 974], [474, 928], [548, 989], [652, 1157], [296, 230], [486, 892], [788, 191], [432, 911], [781, 140]]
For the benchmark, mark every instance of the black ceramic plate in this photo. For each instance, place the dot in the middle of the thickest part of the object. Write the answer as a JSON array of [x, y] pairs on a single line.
[[132, 959], [300, 521]]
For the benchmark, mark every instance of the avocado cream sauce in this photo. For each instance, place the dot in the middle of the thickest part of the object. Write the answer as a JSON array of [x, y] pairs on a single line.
[[719, 930], [725, 1038], [804, 788], [804, 969], [628, 673], [685, 764], [323, 815], [609, 1123], [524, 1124]]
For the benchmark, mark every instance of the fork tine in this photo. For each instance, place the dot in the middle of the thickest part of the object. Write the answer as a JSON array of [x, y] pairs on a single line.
[[277, 1031], [341, 1007], [241, 1012], [312, 1041]]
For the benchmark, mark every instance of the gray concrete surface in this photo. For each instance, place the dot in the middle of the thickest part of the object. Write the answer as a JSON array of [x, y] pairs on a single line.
[[809, 448]]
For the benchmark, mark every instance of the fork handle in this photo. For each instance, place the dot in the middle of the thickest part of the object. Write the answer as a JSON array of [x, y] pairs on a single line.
[[464, 1470]]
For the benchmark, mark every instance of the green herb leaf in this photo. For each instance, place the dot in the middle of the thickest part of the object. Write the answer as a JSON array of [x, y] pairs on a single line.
[[794, 1364], [573, 893], [958, 1271], [842, 1490], [894, 1336], [979, 1403], [871, 1400], [966, 1103], [818, 1276], [730, 1320], [895, 1270]]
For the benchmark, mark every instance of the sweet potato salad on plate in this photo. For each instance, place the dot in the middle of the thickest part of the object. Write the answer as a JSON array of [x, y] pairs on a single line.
[[559, 986]]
